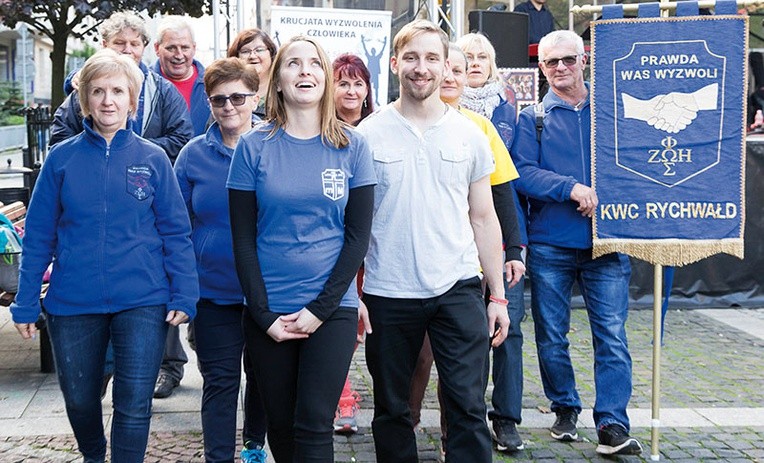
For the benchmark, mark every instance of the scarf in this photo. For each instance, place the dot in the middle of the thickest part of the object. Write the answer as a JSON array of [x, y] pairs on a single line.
[[482, 100]]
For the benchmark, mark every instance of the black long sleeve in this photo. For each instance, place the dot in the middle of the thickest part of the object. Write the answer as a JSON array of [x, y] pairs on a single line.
[[504, 203], [242, 207], [358, 214]]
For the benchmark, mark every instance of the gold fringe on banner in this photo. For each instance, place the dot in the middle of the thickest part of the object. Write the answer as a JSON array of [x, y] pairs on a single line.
[[669, 252]]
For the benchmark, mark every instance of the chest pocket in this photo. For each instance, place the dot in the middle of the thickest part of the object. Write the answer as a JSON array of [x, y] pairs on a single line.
[[388, 165], [455, 166], [138, 181]]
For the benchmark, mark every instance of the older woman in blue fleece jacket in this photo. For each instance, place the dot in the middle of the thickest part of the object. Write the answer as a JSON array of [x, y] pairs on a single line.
[[108, 212]]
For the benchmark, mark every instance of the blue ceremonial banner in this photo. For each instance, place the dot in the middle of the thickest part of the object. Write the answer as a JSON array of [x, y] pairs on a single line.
[[668, 127]]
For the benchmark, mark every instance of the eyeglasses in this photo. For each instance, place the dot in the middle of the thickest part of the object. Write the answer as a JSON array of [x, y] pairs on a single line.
[[250, 51], [237, 99], [566, 60]]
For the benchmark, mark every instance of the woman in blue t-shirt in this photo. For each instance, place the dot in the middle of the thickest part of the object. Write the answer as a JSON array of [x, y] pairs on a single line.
[[301, 194]]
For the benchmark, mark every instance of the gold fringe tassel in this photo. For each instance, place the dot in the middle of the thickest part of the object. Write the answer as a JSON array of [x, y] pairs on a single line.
[[671, 252]]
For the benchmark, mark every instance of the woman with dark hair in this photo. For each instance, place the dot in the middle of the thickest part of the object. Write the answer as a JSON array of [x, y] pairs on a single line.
[[352, 89], [352, 97], [202, 170], [107, 211], [255, 47], [301, 194]]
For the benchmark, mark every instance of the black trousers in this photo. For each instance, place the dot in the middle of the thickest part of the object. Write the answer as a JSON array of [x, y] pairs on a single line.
[[300, 383], [458, 328]]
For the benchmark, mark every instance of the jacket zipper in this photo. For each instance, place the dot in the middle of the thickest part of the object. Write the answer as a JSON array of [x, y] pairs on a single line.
[[103, 229]]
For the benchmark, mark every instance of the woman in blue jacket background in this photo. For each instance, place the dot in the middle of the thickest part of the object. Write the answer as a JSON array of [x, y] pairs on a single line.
[[202, 170], [108, 212]]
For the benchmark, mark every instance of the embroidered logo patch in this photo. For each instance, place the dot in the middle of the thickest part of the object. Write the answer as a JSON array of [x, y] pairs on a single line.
[[334, 183], [138, 177]]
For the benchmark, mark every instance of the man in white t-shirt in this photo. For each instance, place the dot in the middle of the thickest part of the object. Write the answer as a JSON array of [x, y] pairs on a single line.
[[434, 228]]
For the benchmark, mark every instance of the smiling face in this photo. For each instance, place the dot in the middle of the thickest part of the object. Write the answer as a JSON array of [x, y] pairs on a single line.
[[301, 78], [349, 95], [255, 52], [420, 66], [563, 78], [230, 118], [456, 78], [176, 54], [478, 65], [128, 42], [109, 103]]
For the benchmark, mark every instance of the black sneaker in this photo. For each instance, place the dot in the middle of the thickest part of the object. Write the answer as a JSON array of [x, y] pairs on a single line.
[[164, 386], [504, 433], [615, 440], [564, 428]]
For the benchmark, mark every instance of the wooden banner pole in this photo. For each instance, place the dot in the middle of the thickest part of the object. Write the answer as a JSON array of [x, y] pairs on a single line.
[[655, 423], [668, 6]]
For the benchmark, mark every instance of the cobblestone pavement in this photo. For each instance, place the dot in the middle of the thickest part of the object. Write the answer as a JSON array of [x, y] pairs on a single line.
[[705, 364], [678, 445]]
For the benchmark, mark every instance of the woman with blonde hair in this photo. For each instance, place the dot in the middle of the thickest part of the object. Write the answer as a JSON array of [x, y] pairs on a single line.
[[107, 211], [301, 193], [484, 94]]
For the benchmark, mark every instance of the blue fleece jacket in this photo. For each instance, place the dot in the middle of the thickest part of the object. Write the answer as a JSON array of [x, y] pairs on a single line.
[[200, 109], [112, 220], [549, 170], [504, 119], [202, 171]]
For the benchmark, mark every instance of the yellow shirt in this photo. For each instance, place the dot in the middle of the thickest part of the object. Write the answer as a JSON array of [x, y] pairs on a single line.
[[505, 169]]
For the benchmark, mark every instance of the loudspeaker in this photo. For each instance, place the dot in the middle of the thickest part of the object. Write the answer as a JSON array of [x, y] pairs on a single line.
[[508, 33]]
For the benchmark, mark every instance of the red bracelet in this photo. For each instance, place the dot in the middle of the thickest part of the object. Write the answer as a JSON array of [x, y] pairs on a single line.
[[498, 300]]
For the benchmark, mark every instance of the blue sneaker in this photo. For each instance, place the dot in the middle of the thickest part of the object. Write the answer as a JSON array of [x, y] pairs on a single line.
[[253, 455]]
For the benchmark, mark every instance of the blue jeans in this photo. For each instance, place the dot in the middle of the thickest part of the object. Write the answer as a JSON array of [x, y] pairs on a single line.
[[507, 397], [219, 347], [79, 346], [604, 285]]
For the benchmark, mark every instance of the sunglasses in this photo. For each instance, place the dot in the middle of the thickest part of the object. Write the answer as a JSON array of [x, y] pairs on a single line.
[[237, 99], [566, 60]]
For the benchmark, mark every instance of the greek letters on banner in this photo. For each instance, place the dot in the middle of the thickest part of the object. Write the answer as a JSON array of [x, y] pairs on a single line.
[[364, 33], [668, 119]]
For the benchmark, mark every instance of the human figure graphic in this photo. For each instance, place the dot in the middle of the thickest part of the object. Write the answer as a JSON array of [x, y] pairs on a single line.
[[373, 63]]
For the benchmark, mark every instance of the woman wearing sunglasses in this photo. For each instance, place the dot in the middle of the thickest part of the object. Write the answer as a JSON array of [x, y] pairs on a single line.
[[301, 190], [202, 169]]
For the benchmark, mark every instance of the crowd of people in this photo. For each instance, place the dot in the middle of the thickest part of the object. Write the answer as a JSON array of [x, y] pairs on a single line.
[[263, 200]]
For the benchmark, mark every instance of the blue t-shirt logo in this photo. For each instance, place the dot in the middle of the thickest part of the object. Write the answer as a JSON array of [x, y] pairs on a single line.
[[333, 181]]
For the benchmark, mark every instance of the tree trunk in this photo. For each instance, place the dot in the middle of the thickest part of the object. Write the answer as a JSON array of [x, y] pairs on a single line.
[[58, 58]]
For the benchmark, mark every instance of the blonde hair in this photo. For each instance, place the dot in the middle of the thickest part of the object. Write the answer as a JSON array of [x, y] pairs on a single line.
[[332, 130], [468, 41], [108, 62], [415, 28]]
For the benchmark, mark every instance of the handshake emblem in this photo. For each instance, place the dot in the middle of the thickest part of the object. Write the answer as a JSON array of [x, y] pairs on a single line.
[[671, 112]]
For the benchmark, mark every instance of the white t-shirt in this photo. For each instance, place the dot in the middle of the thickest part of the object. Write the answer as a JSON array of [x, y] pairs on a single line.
[[422, 242]]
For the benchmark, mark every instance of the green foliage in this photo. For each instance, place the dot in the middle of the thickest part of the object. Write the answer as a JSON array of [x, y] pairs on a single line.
[[10, 104], [60, 20], [85, 52]]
